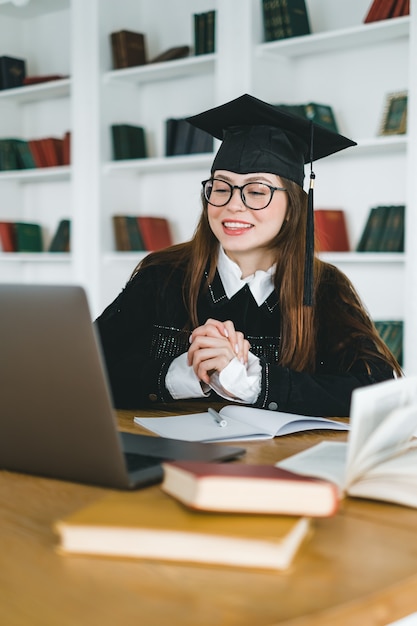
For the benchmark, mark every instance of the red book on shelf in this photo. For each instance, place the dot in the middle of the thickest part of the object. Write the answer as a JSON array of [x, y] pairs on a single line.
[[7, 237], [66, 149], [155, 232], [401, 8], [52, 149], [37, 152], [245, 488], [380, 10], [35, 80], [331, 231]]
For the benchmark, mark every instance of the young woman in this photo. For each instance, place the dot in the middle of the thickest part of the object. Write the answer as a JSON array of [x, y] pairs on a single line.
[[225, 315]]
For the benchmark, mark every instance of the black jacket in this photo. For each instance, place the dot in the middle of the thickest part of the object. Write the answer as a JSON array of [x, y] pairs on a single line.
[[141, 333]]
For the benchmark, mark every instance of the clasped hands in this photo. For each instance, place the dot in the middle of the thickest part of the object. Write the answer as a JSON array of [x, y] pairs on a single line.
[[213, 346]]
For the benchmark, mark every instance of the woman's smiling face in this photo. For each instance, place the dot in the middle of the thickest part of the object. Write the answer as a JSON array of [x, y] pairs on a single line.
[[246, 234]]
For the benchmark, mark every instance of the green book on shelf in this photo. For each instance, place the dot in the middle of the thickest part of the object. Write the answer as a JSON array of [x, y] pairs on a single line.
[[24, 155], [392, 239], [273, 21], [210, 32], [374, 228], [295, 18], [127, 233], [8, 155], [129, 141], [28, 237], [61, 239], [321, 114], [391, 333]]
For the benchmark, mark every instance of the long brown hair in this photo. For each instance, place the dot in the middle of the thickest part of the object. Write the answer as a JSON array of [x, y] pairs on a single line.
[[299, 327]]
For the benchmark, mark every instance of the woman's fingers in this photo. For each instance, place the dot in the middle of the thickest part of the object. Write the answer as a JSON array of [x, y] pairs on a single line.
[[226, 329]]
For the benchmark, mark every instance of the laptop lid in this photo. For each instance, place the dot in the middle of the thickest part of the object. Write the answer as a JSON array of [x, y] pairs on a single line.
[[56, 415]]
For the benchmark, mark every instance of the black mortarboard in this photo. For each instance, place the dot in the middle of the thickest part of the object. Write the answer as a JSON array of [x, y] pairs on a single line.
[[259, 137]]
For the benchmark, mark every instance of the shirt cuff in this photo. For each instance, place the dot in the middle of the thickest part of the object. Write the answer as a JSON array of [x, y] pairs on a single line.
[[182, 382], [238, 382]]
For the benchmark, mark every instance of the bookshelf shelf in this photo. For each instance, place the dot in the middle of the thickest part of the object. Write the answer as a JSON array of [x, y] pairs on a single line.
[[162, 164], [35, 257], [40, 175], [351, 68], [34, 93], [170, 70], [368, 258], [331, 41]]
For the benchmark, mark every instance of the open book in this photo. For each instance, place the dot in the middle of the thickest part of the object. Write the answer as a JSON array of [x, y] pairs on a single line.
[[242, 423], [379, 460]]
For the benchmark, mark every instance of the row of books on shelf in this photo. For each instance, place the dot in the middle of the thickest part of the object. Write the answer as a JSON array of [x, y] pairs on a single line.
[[289, 18], [281, 19], [383, 231], [18, 154], [29, 237], [13, 74], [129, 141], [129, 48], [321, 114], [141, 233]]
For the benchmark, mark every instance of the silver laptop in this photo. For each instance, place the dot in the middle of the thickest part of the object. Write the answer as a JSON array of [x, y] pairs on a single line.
[[56, 415]]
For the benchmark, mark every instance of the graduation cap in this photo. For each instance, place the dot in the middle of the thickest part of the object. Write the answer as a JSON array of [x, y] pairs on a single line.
[[259, 137]]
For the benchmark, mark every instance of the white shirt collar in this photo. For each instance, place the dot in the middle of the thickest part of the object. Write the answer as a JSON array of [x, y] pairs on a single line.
[[260, 283]]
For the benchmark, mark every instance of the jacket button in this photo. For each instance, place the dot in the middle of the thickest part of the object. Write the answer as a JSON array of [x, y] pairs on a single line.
[[272, 406], [153, 397]]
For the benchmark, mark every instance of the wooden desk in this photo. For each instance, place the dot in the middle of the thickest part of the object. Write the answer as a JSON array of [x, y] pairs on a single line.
[[359, 567]]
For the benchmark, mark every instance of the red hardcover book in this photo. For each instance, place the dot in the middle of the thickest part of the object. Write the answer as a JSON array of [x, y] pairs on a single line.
[[155, 232], [245, 488], [35, 80], [66, 148], [380, 10], [37, 152], [7, 237], [52, 149], [331, 231], [401, 8]]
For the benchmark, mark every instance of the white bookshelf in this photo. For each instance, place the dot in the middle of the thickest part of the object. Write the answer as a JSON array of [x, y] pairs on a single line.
[[344, 63]]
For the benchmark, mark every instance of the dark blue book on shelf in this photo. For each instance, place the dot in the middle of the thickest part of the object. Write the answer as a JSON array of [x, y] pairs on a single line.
[[12, 72]]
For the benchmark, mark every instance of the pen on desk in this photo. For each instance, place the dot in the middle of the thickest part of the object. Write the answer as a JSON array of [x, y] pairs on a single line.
[[217, 417]]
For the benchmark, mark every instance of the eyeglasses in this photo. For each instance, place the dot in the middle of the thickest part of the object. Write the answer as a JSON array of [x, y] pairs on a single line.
[[255, 196]]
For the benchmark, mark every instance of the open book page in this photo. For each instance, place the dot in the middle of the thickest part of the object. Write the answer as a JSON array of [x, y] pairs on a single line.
[[375, 429], [391, 436], [326, 460], [393, 480], [243, 424], [278, 423], [200, 427]]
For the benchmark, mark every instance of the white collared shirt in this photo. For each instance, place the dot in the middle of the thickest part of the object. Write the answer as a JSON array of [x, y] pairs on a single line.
[[260, 283], [237, 382]]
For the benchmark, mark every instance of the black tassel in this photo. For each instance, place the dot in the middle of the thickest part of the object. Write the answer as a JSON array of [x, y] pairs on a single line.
[[309, 252]]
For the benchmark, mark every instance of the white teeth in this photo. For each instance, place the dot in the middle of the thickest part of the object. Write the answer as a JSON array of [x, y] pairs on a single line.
[[236, 225]]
